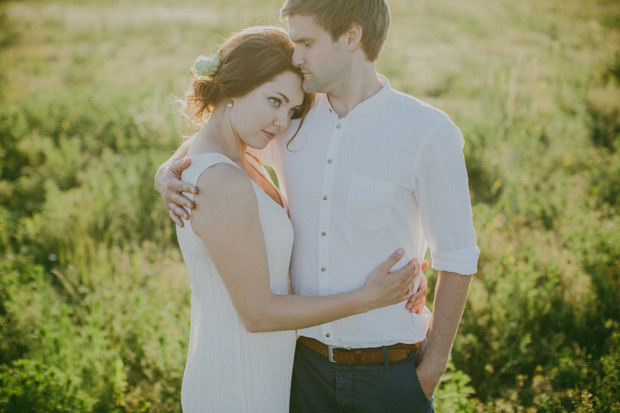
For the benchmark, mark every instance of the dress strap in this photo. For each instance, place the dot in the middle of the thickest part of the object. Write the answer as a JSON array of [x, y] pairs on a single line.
[[261, 170]]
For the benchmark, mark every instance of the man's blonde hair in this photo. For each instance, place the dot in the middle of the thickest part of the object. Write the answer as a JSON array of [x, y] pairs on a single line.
[[337, 16]]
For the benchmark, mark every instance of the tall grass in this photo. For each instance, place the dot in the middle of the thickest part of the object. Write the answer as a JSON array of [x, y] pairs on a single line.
[[94, 302]]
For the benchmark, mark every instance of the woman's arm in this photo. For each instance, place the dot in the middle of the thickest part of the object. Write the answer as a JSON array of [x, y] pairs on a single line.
[[227, 220]]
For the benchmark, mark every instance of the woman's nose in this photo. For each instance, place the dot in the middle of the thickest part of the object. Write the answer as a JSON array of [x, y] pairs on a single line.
[[281, 121]]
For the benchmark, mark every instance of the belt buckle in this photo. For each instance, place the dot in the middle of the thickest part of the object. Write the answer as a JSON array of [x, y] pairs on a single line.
[[330, 352]]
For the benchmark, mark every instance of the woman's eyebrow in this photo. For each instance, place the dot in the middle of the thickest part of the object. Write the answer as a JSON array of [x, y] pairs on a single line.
[[284, 96]]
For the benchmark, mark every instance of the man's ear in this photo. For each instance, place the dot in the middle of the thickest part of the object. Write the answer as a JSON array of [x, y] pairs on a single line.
[[354, 37]]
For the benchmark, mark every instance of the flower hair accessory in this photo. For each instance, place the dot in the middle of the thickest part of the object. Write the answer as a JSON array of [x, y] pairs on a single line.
[[207, 66]]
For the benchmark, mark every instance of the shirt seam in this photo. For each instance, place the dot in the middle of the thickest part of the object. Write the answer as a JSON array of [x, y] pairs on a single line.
[[418, 154]]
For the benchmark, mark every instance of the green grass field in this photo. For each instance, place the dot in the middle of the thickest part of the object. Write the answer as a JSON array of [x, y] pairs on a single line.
[[94, 300]]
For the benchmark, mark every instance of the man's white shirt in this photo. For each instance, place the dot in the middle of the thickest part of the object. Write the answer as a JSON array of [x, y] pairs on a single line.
[[389, 174]]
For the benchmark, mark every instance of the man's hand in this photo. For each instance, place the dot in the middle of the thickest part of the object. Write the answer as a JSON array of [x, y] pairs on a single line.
[[428, 379], [418, 300], [450, 297], [168, 183]]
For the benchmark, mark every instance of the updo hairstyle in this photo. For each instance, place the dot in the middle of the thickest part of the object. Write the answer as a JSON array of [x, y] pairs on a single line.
[[248, 59]]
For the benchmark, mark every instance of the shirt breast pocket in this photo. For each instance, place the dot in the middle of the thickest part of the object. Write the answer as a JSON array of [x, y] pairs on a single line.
[[370, 202]]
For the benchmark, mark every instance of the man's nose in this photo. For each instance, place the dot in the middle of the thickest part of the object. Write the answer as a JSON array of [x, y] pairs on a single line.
[[298, 59]]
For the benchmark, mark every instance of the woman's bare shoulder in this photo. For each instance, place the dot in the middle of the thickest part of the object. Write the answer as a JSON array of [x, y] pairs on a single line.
[[225, 194]]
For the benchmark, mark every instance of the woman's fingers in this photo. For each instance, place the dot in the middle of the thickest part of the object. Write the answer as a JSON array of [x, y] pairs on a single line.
[[392, 260], [405, 278], [409, 271], [416, 302]]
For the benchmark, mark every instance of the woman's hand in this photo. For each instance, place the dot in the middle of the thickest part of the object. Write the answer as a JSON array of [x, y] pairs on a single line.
[[168, 183], [418, 300], [385, 288]]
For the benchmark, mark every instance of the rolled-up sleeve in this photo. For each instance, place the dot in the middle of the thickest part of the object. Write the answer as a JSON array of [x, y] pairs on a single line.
[[442, 192]]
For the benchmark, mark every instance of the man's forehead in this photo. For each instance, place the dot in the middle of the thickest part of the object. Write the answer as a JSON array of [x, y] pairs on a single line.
[[303, 27]]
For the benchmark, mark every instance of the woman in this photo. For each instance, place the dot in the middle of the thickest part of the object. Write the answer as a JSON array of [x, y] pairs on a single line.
[[237, 242]]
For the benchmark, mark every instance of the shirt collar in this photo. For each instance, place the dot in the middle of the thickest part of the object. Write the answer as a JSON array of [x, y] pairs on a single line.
[[375, 100], [365, 106]]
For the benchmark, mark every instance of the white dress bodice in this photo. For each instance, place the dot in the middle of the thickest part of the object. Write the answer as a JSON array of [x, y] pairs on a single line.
[[229, 369]]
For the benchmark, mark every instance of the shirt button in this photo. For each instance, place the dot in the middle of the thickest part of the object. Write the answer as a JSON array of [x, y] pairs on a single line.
[[329, 161], [327, 335], [338, 126], [324, 197], [323, 234], [323, 269]]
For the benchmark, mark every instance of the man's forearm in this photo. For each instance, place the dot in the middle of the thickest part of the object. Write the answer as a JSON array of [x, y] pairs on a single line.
[[180, 152], [450, 298]]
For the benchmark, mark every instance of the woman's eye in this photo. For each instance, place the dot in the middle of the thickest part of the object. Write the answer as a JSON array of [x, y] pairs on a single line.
[[307, 44], [275, 102]]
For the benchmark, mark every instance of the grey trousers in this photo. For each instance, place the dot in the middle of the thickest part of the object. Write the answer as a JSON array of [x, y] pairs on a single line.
[[321, 386]]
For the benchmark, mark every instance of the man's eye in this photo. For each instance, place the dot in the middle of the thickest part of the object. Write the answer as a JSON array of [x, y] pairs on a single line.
[[307, 44], [275, 102]]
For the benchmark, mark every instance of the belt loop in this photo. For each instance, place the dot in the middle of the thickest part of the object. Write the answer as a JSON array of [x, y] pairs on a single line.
[[386, 357], [330, 354]]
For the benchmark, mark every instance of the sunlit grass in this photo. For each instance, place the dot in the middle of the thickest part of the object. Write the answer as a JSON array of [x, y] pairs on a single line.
[[94, 301]]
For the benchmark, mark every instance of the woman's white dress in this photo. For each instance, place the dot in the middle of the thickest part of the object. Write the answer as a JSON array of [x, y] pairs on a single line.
[[229, 369]]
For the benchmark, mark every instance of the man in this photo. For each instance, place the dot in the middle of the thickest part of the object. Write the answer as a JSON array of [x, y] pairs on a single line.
[[371, 170]]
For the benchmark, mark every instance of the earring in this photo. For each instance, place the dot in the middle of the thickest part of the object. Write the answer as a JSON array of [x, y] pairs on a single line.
[[230, 104]]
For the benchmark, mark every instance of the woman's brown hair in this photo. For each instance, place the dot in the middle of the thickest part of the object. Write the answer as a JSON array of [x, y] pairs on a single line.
[[248, 59]]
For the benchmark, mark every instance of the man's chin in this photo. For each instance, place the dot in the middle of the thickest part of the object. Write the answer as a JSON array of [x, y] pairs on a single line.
[[309, 86]]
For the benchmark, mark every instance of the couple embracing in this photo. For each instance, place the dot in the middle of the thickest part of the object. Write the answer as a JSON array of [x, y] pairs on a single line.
[[369, 178]]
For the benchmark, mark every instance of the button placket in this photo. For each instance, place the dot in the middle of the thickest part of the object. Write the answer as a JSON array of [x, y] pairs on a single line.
[[329, 161], [325, 208], [324, 216]]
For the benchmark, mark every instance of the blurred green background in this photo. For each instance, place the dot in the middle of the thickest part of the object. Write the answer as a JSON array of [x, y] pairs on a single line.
[[94, 300]]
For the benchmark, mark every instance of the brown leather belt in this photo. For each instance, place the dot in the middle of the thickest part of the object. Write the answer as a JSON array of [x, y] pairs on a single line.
[[343, 355]]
